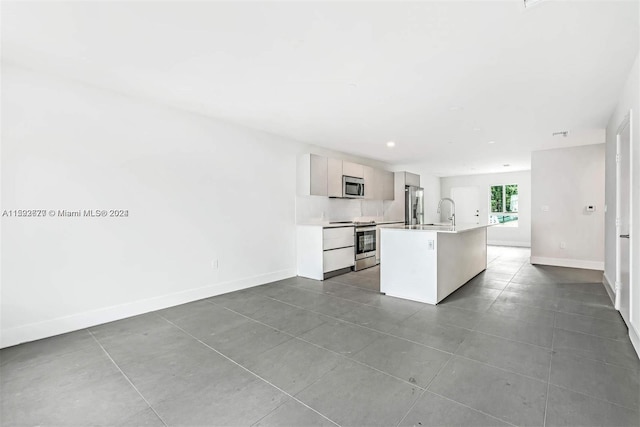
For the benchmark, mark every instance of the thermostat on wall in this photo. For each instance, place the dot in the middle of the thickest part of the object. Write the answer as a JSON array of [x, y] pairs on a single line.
[[590, 208]]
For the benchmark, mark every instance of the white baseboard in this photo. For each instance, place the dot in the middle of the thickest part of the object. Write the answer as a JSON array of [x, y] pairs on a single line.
[[566, 262], [508, 243], [608, 286], [61, 325]]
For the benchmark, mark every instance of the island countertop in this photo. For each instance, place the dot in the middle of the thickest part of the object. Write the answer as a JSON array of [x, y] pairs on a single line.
[[442, 228]]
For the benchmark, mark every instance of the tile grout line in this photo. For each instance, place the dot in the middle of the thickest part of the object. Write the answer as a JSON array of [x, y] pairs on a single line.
[[333, 318], [342, 298], [546, 401], [508, 283], [467, 406], [397, 337], [422, 344], [253, 373], [591, 335], [366, 304], [341, 320], [255, 423], [602, 362], [424, 391], [561, 312], [127, 378], [327, 349], [636, 410]]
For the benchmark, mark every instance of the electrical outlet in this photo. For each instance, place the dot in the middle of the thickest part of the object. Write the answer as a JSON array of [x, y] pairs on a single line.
[[431, 245], [563, 245], [214, 264]]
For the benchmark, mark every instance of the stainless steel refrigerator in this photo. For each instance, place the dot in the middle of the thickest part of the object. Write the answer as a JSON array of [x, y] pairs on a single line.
[[413, 205]]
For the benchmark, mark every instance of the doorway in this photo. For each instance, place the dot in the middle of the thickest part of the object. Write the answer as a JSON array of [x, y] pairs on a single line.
[[623, 219], [467, 208]]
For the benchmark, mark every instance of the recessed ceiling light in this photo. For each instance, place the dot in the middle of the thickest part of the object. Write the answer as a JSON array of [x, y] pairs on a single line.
[[529, 3], [492, 142], [391, 144]]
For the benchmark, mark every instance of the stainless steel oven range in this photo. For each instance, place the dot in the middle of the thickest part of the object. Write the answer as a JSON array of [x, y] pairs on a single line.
[[365, 245]]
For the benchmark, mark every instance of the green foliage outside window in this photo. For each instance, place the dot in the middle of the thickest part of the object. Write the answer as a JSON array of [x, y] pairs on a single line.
[[511, 203], [504, 202], [496, 198]]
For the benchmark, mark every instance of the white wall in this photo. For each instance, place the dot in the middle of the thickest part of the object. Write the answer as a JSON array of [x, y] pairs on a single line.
[[196, 190], [565, 181], [498, 234], [629, 100]]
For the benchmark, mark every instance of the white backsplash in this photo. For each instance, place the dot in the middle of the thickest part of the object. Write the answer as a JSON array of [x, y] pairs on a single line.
[[310, 209]]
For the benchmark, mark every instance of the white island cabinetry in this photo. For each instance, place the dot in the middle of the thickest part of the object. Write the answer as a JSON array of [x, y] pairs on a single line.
[[323, 251], [428, 263]]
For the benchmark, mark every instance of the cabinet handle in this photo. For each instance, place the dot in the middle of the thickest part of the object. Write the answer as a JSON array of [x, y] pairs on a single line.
[[624, 236]]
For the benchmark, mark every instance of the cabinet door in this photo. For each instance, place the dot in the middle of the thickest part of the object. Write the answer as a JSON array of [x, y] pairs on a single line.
[[370, 183], [352, 169], [318, 167], [338, 237], [378, 192], [334, 177], [337, 259], [388, 183], [411, 179]]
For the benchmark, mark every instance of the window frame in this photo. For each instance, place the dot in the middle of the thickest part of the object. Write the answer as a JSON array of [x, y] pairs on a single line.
[[503, 212]]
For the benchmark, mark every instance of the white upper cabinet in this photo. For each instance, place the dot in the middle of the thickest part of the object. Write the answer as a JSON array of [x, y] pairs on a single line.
[[334, 177], [312, 175], [411, 179], [387, 185], [371, 184], [322, 176], [352, 169]]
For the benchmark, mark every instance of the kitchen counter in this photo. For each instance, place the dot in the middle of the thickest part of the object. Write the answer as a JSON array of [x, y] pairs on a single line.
[[327, 224], [426, 263], [445, 228]]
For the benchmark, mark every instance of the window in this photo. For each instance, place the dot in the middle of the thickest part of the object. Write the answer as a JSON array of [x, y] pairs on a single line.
[[504, 205]]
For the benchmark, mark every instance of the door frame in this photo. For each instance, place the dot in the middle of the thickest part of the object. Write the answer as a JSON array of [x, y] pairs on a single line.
[[625, 122]]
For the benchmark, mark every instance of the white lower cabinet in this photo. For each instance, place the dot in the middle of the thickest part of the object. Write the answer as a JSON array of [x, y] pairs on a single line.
[[323, 250], [336, 259], [336, 238]]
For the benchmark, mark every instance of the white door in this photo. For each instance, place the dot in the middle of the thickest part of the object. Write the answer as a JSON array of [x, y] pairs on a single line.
[[623, 193], [467, 207]]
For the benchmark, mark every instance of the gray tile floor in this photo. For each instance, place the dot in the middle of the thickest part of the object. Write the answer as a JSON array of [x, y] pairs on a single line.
[[517, 345]]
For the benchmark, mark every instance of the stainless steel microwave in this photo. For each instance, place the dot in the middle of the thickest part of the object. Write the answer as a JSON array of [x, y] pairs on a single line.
[[352, 187]]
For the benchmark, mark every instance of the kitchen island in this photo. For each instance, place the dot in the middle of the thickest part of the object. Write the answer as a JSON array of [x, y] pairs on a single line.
[[426, 263]]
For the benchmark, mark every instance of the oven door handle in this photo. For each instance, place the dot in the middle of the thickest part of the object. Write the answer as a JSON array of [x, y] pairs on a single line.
[[358, 230]]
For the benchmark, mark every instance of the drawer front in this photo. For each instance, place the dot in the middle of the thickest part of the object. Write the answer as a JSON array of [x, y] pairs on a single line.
[[337, 259], [338, 237]]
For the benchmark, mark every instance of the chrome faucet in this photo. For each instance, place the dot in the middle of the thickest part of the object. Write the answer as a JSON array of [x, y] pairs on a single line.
[[453, 210]]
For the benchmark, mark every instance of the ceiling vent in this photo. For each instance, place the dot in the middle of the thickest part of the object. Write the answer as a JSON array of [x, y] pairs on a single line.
[[564, 133]]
